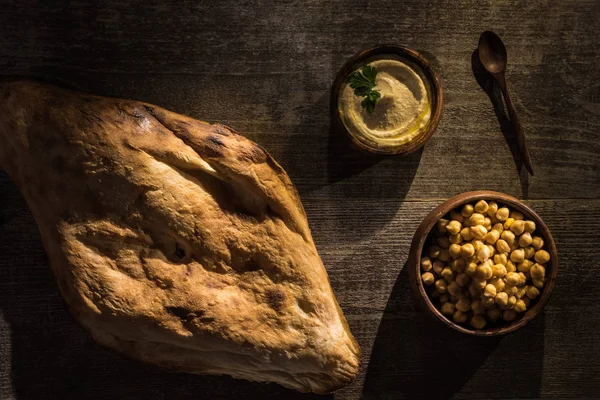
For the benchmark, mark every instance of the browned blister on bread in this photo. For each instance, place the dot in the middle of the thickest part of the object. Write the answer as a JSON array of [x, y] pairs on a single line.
[[174, 241]]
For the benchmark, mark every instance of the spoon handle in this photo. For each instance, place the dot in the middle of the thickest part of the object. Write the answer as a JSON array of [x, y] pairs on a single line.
[[512, 113]]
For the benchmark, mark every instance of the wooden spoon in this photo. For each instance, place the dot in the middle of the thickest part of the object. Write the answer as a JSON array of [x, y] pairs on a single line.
[[492, 54]]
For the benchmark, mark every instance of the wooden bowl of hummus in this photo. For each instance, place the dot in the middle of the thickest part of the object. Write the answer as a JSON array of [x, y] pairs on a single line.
[[408, 103]]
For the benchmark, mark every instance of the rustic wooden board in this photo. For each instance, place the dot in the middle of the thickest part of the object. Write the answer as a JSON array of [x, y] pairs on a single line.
[[266, 69]]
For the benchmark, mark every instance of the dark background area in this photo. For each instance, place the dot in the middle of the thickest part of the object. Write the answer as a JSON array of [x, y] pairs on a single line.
[[265, 69]]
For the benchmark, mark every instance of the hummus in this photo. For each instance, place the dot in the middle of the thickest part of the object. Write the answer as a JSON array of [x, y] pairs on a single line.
[[401, 113]]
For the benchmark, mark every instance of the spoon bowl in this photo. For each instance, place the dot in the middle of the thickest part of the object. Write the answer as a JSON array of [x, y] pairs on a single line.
[[492, 52]]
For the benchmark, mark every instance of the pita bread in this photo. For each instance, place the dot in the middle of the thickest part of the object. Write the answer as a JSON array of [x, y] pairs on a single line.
[[174, 241]]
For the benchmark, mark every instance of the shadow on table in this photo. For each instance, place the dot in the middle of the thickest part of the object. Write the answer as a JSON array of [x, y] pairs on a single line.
[[323, 164], [492, 89], [416, 357], [53, 358]]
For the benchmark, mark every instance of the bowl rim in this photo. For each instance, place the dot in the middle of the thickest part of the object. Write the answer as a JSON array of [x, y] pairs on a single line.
[[420, 237], [432, 77]]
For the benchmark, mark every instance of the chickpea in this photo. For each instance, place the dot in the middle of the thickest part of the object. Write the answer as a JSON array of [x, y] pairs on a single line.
[[521, 292], [537, 242], [492, 236], [463, 279], [517, 215], [517, 255], [529, 226], [454, 289], [474, 290], [501, 299], [444, 298], [492, 208], [467, 210], [502, 214], [509, 315], [495, 220], [455, 239], [471, 269], [457, 217], [479, 283], [512, 279], [426, 263], [499, 270], [525, 239], [481, 206], [492, 250], [529, 251], [532, 292], [438, 266], [434, 251], [512, 300], [428, 278], [487, 223], [498, 228], [463, 305], [514, 246], [477, 307], [448, 308], [484, 271], [508, 237], [478, 231], [466, 233], [498, 283], [478, 321], [510, 266], [542, 256], [502, 246], [510, 290], [524, 266], [459, 317], [489, 291], [538, 283], [455, 251], [488, 302], [458, 265], [522, 278], [444, 255], [441, 224], [483, 254], [526, 300], [494, 314], [441, 285], [518, 227], [446, 272], [476, 219], [467, 250], [508, 223], [478, 244], [500, 259], [453, 227], [443, 242]]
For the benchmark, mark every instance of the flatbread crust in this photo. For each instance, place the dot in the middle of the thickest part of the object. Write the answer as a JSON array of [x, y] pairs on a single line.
[[174, 241]]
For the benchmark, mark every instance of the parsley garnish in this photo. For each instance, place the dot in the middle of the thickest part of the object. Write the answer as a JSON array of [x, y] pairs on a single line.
[[363, 84]]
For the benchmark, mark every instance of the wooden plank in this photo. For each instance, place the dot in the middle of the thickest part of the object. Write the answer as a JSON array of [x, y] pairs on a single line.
[[364, 249], [269, 78]]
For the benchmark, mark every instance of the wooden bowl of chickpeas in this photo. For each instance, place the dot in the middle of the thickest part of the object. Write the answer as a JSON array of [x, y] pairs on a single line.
[[483, 263]]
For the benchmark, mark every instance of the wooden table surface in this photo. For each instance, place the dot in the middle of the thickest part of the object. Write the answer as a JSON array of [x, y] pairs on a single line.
[[266, 69]]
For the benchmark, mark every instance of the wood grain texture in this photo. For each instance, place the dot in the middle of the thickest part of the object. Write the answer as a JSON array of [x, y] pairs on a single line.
[[265, 68]]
